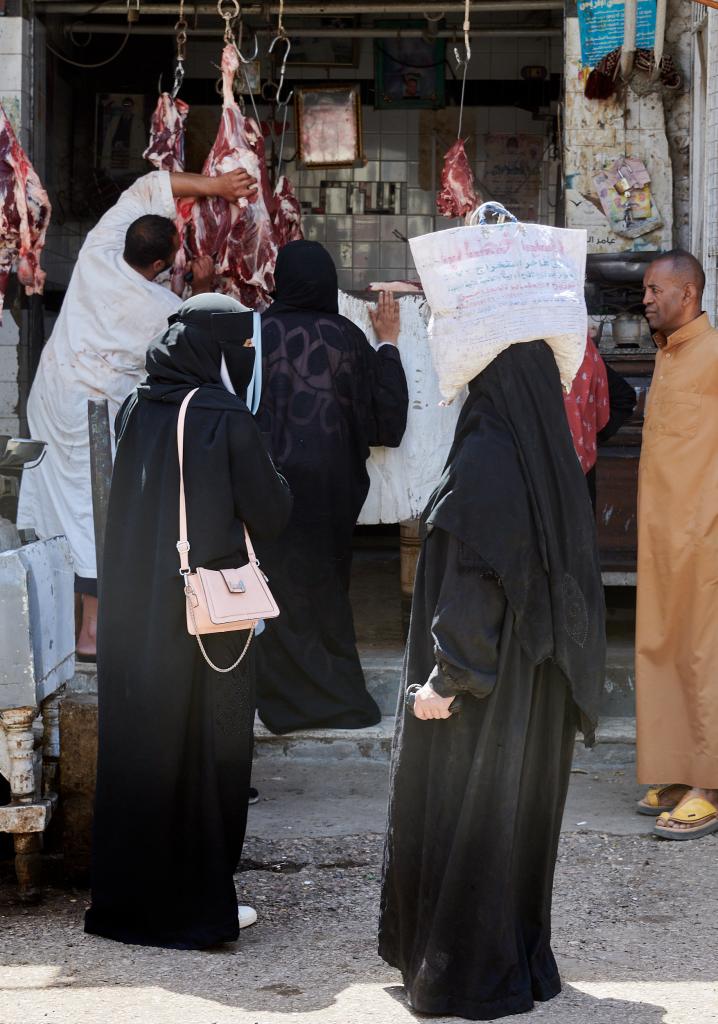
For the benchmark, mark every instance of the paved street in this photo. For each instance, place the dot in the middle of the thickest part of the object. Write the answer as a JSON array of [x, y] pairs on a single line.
[[634, 921]]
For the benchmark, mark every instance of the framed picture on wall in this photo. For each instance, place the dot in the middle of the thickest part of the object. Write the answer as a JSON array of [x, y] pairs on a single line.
[[335, 50], [122, 134], [250, 81], [409, 72], [328, 119]]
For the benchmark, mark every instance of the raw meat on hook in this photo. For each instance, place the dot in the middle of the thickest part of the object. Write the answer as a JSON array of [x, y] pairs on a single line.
[[24, 215], [458, 196], [240, 233], [287, 213], [166, 152]]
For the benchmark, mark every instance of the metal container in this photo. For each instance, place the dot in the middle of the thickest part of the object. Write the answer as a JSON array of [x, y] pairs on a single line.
[[628, 331]]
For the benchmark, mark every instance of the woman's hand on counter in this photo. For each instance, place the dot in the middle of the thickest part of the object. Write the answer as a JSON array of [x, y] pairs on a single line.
[[385, 318]]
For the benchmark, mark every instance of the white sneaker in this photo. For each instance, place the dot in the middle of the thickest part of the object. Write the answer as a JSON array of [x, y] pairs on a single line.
[[247, 916]]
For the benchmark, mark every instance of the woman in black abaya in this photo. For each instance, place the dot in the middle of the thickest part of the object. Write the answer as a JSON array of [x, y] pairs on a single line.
[[508, 614], [175, 737], [326, 397]]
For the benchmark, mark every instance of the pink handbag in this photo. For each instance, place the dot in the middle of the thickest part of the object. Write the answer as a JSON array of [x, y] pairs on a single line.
[[219, 600]]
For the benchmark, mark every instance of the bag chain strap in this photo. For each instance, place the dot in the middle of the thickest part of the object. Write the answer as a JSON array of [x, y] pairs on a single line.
[[189, 593], [183, 546]]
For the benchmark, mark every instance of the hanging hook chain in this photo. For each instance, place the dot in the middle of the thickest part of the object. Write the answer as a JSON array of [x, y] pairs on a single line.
[[229, 10], [181, 51], [464, 62]]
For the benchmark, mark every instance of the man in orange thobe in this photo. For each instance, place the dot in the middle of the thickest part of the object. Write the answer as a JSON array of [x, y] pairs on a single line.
[[677, 613]]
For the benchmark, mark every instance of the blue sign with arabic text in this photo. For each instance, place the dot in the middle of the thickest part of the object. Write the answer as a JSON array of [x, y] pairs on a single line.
[[601, 26]]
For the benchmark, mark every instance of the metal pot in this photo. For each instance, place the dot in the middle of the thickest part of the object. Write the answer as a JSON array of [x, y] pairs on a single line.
[[628, 330]]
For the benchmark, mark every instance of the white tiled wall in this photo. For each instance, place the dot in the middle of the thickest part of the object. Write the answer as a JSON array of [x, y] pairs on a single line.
[[15, 75], [9, 337], [365, 247]]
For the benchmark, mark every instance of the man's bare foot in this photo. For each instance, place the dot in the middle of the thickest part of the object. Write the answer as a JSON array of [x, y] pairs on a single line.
[[710, 795], [87, 640]]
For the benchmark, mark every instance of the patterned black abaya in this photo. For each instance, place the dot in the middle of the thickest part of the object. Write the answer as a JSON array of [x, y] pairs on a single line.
[[175, 737], [326, 397], [508, 612]]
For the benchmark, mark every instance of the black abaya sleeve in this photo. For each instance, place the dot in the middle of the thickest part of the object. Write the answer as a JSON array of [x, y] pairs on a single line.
[[621, 402], [468, 619], [262, 497], [389, 400]]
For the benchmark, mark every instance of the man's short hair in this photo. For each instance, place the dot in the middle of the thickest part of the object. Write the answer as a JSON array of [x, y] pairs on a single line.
[[685, 266], [148, 239]]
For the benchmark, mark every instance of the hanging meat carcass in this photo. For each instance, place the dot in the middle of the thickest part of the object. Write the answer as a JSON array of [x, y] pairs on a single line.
[[241, 234], [457, 197], [24, 215], [166, 148], [287, 213], [166, 152]]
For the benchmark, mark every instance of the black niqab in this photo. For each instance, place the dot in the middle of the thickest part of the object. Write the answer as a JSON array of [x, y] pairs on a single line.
[[189, 353], [305, 278], [513, 491]]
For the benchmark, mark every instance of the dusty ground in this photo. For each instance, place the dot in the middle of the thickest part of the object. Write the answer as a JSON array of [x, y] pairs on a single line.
[[634, 923]]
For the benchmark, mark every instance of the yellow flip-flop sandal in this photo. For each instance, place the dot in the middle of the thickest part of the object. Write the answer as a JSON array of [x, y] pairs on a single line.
[[697, 813], [656, 800]]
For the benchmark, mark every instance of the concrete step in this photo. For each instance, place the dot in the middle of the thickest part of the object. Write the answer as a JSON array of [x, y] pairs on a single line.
[[382, 670], [615, 744]]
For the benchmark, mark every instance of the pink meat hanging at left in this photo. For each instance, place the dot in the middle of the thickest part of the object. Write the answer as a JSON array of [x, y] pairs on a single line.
[[166, 152], [24, 215]]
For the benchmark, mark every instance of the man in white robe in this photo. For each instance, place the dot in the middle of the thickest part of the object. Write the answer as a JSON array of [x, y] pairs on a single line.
[[112, 309]]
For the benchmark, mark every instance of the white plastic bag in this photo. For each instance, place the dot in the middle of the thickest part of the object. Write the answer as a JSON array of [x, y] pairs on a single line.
[[490, 286]]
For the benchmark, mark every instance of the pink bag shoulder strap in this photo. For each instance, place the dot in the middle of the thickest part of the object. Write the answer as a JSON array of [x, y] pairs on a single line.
[[183, 545]]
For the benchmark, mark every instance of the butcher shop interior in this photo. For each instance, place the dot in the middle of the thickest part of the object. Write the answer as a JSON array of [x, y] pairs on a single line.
[[361, 106], [401, 77]]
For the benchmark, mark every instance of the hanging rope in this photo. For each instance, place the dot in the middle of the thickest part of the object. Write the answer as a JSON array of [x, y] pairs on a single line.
[[465, 61]]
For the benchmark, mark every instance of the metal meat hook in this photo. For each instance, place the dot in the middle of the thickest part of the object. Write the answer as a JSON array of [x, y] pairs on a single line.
[[238, 47], [283, 38], [176, 84], [179, 79], [284, 104]]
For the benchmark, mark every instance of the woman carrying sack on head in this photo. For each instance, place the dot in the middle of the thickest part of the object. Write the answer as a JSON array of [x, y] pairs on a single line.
[[508, 617], [175, 735]]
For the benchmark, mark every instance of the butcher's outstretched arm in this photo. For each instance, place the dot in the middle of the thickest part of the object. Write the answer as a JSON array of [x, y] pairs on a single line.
[[150, 194], [231, 186], [155, 193]]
